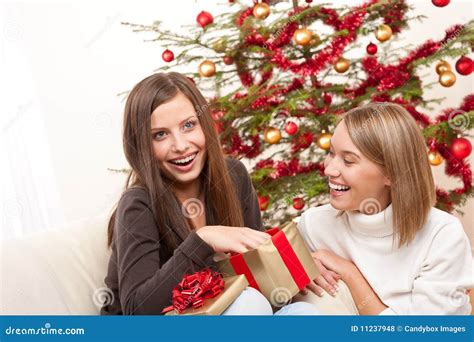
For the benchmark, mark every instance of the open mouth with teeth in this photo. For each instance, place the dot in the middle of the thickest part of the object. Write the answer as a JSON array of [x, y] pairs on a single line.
[[338, 187], [184, 161]]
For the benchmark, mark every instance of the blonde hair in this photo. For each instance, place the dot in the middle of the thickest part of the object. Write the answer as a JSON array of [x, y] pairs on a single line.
[[388, 135]]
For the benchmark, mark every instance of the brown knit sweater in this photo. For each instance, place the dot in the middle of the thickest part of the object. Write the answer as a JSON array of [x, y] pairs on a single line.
[[142, 271]]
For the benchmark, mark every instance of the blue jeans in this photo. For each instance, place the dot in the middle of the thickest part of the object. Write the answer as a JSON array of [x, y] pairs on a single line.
[[252, 302]]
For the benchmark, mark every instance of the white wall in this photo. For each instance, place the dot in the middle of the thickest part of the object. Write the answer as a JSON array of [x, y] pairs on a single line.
[[81, 57]]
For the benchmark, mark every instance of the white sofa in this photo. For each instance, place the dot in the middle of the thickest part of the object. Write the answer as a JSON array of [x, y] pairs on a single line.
[[56, 272]]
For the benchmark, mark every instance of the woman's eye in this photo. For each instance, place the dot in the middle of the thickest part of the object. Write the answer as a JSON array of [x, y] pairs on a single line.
[[189, 124], [348, 162], [159, 135], [331, 153]]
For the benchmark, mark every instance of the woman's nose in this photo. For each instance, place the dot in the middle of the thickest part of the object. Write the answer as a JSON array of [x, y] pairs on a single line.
[[330, 168], [181, 144]]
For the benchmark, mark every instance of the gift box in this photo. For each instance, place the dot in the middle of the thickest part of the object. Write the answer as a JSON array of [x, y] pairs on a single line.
[[279, 268], [231, 288]]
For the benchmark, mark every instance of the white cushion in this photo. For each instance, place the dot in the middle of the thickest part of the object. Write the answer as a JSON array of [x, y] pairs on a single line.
[[56, 272]]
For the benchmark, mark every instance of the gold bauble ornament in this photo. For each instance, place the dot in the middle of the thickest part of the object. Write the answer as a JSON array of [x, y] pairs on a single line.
[[442, 66], [302, 36], [324, 140], [447, 79], [220, 45], [435, 158], [342, 65], [315, 40], [272, 135], [207, 68], [261, 11], [383, 33]]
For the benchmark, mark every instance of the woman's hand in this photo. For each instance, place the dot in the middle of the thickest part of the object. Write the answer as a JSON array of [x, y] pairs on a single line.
[[225, 239], [335, 263], [325, 281], [331, 268]]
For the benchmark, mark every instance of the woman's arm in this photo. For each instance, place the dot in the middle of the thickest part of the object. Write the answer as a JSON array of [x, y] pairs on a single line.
[[445, 275], [367, 301], [145, 284]]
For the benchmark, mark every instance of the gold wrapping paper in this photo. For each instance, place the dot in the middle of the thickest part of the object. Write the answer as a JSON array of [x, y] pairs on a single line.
[[215, 306], [269, 270]]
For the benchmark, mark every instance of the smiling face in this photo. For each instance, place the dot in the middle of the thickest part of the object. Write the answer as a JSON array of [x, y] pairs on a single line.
[[179, 143], [352, 177]]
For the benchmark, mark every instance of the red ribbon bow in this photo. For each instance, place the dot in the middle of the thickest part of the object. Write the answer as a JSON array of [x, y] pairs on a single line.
[[194, 289]]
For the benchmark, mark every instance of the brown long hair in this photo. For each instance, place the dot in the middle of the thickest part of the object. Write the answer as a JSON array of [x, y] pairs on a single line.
[[389, 136], [222, 205]]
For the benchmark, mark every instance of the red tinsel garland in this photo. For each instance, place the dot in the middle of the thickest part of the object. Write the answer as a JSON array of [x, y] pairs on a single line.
[[250, 150], [394, 16], [291, 168], [239, 21], [326, 56]]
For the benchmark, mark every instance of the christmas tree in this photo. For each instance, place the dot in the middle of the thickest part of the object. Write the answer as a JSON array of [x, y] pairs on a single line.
[[277, 79]]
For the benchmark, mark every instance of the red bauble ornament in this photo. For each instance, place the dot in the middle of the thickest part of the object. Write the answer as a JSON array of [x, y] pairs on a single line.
[[167, 55], [263, 202], [461, 148], [440, 3], [298, 203], [291, 128], [217, 115], [228, 60], [204, 18], [327, 99], [371, 49], [464, 65]]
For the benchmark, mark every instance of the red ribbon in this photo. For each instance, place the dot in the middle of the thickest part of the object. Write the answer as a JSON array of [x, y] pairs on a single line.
[[240, 267], [194, 289], [287, 254]]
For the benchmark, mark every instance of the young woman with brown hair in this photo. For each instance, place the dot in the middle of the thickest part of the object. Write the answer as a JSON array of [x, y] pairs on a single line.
[[183, 202]]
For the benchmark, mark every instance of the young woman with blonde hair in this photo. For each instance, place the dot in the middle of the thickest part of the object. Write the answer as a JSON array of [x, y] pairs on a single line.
[[380, 234]]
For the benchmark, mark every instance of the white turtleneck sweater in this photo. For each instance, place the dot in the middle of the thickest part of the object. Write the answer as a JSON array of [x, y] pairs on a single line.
[[428, 277]]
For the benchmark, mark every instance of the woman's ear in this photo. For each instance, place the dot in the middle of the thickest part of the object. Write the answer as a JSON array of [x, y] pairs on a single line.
[[387, 181]]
